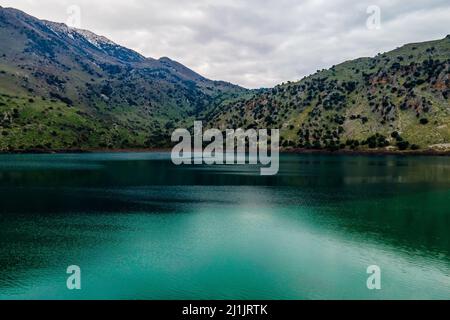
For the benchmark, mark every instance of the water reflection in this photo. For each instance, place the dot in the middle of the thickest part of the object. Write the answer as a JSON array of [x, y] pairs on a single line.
[[221, 232]]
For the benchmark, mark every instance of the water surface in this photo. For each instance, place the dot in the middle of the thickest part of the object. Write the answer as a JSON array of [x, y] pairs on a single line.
[[142, 228]]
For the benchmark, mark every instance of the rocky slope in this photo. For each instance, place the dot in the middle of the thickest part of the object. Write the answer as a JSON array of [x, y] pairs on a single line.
[[395, 101], [63, 88]]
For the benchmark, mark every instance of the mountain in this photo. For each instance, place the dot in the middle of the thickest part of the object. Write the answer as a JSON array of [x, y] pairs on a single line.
[[398, 100], [63, 88]]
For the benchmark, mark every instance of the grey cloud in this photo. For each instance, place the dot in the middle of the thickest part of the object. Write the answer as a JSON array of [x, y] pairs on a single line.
[[253, 43]]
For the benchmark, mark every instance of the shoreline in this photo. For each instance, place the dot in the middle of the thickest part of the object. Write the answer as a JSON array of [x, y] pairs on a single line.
[[282, 151], [374, 152]]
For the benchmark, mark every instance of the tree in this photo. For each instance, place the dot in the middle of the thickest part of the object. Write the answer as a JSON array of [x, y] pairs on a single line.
[[424, 121], [403, 145]]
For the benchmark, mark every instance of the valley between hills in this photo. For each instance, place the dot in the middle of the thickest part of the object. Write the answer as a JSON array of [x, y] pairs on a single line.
[[66, 89]]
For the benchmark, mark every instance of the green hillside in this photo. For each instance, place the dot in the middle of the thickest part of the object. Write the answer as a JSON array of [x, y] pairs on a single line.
[[63, 88], [69, 89], [396, 100]]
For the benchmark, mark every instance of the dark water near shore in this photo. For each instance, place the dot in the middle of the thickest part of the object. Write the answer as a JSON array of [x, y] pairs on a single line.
[[141, 228]]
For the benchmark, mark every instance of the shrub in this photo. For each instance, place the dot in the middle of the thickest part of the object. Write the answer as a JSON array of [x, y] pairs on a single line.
[[377, 141], [403, 145], [395, 135]]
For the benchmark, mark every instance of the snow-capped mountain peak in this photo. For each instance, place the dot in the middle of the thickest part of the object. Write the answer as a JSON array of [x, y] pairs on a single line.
[[99, 42], [94, 39], [62, 29]]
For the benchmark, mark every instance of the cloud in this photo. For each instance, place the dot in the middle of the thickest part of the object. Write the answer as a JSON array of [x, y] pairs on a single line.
[[254, 43]]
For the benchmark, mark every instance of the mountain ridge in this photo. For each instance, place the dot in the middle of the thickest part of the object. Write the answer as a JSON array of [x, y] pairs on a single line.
[[65, 88], [397, 100], [119, 98]]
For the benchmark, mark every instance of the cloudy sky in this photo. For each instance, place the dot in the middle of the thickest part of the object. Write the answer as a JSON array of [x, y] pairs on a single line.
[[254, 43]]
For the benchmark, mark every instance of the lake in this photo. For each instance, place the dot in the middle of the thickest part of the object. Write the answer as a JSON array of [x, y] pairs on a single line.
[[141, 228]]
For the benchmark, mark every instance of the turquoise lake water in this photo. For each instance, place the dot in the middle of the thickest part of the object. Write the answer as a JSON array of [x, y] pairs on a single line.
[[141, 228]]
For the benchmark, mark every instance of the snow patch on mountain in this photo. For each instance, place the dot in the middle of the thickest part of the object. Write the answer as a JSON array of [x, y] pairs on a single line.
[[96, 40], [62, 29], [99, 42]]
